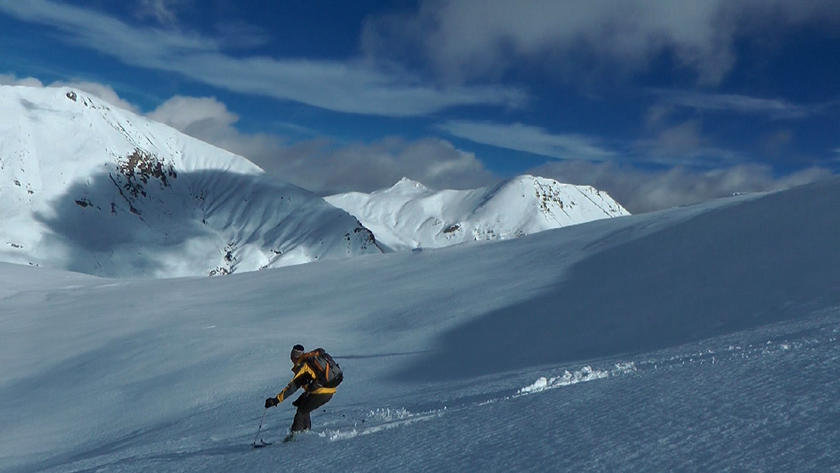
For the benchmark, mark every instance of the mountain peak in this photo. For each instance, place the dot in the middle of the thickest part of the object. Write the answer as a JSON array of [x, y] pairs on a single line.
[[406, 185]]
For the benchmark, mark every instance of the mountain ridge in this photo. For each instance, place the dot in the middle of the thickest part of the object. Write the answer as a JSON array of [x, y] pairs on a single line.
[[92, 188], [410, 215]]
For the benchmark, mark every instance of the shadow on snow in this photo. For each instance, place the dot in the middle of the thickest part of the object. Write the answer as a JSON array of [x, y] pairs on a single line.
[[115, 225], [734, 268]]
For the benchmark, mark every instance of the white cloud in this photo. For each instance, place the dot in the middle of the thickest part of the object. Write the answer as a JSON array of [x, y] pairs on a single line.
[[527, 138], [679, 139], [201, 114], [9, 79], [326, 168], [465, 39], [209, 120], [671, 142], [683, 144], [344, 86]]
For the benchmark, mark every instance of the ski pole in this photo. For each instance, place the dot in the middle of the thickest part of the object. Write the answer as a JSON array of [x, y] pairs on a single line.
[[260, 428]]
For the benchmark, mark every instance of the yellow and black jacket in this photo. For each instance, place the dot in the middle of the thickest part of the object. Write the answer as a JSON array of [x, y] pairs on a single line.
[[305, 378]]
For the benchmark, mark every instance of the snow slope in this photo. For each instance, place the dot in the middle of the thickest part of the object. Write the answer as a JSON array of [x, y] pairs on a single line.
[[92, 188], [701, 338], [410, 215]]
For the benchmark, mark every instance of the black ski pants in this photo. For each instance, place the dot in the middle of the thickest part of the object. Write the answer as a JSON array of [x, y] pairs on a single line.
[[307, 403]]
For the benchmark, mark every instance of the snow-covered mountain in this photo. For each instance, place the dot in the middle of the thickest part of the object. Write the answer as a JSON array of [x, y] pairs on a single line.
[[92, 188], [410, 215]]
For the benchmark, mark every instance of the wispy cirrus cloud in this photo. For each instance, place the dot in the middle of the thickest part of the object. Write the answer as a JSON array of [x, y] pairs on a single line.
[[742, 104], [531, 139], [162, 11], [350, 86]]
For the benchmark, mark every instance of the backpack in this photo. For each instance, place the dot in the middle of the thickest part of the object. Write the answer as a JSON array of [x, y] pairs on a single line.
[[329, 374]]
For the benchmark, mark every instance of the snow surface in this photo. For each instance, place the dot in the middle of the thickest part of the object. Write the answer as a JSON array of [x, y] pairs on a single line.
[[92, 188], [702, 338], [409, 215]]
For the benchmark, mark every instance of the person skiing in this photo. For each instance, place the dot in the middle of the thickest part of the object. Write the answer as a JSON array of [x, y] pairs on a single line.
[[318, 374]]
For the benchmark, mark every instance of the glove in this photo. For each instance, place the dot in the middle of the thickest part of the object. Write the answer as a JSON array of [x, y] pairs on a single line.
[[271, 402]]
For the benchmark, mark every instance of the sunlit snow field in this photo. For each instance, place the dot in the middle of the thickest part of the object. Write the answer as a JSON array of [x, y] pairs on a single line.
[[702, 338]]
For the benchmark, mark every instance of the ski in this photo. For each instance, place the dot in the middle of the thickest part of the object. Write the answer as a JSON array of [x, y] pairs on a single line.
[[262, 443]]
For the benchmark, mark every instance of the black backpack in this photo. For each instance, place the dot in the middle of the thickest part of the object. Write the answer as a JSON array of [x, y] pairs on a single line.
[[329, 374]]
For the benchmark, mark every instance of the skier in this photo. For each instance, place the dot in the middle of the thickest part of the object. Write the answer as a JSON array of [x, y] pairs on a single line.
[[318, 374]]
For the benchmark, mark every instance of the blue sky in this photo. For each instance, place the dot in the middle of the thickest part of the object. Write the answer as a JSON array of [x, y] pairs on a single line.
[[659, 102]]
